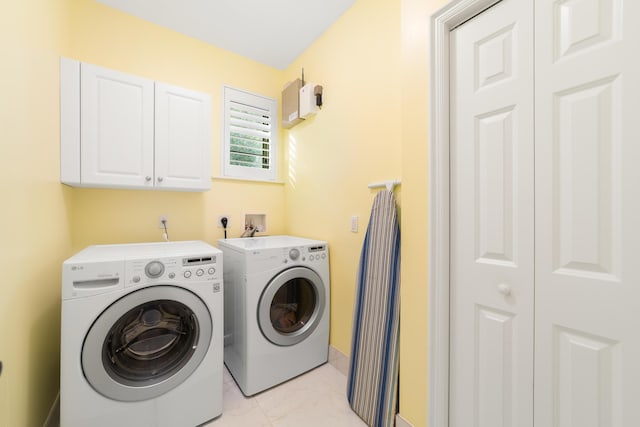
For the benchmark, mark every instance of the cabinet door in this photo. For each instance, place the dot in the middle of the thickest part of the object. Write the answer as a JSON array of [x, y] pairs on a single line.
[[116, 128], [183, 139]]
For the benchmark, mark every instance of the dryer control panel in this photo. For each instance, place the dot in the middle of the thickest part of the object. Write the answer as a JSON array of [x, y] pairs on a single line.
[[266, 259], [317, 253], [307, 253]]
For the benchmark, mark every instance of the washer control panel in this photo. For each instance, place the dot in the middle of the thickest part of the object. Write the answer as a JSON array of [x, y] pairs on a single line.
[[172, 269], [154, 269], [294, 254]]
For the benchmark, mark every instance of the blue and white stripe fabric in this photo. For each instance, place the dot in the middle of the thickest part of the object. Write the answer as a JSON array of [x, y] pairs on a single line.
[[372, 388]]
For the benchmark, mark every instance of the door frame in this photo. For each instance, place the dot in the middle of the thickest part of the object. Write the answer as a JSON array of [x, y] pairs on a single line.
[[442, 22]]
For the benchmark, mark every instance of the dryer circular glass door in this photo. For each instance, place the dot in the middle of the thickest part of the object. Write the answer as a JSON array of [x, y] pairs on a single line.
[[291, 306], [146, 343]]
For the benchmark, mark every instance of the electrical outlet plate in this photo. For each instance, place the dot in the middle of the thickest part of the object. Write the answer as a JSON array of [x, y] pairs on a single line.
[[219, 223], [161, 219]]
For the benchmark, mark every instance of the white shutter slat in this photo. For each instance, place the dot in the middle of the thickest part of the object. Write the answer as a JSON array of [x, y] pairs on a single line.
[[249, 109], [238, 126], [243, 115]]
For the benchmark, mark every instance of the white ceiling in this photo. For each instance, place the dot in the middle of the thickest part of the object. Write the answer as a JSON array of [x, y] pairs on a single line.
[[273, 32]]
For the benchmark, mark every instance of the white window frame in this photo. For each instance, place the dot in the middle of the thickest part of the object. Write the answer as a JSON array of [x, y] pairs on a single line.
[[270, 105]]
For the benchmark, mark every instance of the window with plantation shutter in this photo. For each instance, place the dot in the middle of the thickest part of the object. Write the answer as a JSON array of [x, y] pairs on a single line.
[[250, 138]]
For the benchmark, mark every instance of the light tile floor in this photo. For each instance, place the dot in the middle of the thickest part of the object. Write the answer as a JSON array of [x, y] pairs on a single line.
[[314, 399]]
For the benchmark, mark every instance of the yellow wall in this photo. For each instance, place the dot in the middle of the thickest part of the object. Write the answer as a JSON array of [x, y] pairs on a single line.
[[373, 126], [44, 222], [35, 232], [110, 38], [352, 141], [373, 64], [415, 139]]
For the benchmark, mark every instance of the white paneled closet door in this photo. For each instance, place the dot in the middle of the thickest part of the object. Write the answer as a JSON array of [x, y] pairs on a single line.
[[545, 245], [492, 176], [587, 272]]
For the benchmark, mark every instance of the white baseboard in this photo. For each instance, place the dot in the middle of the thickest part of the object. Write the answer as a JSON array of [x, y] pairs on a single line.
[[401, 422], [53, 419], [339, 360]]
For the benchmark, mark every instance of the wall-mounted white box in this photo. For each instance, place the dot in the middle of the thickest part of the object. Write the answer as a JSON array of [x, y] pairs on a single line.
[[291, 104], [308, 105]]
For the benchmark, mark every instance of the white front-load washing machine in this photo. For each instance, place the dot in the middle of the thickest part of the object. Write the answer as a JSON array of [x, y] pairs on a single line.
[[141, 335], [276, 308]]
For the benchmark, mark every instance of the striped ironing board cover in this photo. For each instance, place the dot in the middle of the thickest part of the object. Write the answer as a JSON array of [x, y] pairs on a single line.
[[372, 387]]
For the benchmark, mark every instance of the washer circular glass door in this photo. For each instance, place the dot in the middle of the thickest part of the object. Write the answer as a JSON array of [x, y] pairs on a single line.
[[291, 306], [146, 343]]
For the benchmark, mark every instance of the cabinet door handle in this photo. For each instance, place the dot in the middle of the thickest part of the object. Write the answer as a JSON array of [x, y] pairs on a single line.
[[148, 178], [160, 179]]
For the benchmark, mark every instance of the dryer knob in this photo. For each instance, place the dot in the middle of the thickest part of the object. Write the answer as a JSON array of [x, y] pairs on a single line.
[[154, 269], [294, 254]]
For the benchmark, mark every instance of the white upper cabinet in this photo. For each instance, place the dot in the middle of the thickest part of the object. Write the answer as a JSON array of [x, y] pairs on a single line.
[[116, 128], [182, 138], [124, 131]]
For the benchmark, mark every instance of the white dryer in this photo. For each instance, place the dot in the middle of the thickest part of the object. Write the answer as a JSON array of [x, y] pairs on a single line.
[[141, 335], [276, 308]]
